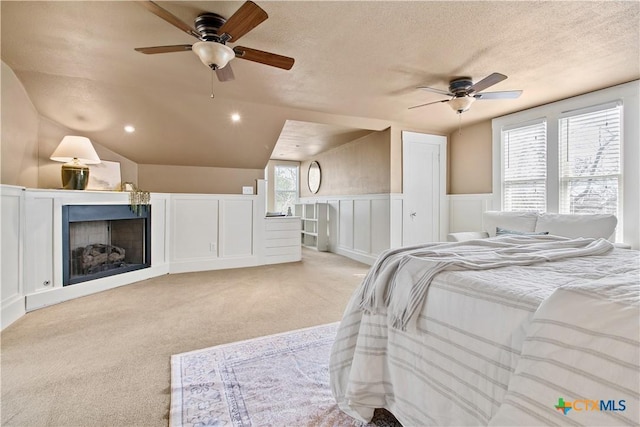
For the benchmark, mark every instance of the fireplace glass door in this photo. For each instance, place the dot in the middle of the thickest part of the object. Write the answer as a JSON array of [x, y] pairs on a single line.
[[103, 240]]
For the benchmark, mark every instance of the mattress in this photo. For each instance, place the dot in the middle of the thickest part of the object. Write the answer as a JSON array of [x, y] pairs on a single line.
[[496, 345]]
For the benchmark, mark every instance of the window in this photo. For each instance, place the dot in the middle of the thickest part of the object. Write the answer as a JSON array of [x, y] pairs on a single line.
[[592, 153], [524, 154], [590, 172], [285, 187]]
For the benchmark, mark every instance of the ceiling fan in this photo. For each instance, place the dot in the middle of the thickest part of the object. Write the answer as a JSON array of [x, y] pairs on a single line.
[[213, 32], [464, 92]]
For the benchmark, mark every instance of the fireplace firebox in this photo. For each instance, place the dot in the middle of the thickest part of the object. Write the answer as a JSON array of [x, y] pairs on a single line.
[[104, 240]]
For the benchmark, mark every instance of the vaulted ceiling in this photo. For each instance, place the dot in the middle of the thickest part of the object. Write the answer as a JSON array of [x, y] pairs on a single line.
[[357, 66]]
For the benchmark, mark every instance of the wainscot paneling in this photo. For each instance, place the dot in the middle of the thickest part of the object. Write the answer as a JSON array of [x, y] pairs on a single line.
[[212, 232], [465, 211], [12, 223], [359, 225], [237, 230], [189, 232]]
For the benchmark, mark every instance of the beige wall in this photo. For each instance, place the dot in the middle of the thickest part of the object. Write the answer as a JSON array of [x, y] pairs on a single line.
[[470, 160], [29, 139], [19, 152], [192, 179], [359, 167]]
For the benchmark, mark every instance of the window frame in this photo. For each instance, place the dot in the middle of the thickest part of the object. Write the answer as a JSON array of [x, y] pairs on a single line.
[[295, 192], [564, 181], [628, 229], [505, 129]]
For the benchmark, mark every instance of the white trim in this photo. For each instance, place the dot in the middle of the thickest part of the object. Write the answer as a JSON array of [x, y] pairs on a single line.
[[66, 293], [12, 307], [590, 109]]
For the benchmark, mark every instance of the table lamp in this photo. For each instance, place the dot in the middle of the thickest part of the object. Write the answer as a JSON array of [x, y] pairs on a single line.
[[76, 152]]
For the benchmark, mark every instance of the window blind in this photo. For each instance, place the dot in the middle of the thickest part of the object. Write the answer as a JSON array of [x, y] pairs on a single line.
[[524, 153], [590, 159]]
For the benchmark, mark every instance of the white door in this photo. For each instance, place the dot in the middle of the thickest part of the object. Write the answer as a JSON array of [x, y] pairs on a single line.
[[422, 179]]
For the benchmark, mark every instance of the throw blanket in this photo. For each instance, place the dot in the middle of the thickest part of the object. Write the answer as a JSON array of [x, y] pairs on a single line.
[[415, 267]]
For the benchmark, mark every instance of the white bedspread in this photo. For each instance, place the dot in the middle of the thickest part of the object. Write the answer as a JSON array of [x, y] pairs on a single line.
[[455, 362]]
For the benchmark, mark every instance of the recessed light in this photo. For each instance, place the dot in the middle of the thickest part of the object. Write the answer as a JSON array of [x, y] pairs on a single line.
[[235, 117], [129, 129]]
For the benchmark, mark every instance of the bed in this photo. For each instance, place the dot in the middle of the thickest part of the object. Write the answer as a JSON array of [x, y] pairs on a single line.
[[510, 330]]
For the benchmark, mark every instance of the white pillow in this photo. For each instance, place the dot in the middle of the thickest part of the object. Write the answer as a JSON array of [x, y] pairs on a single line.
[[585, 225], [517, 221]]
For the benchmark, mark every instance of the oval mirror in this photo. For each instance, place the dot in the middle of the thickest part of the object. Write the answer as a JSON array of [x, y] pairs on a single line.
[[314, 177]]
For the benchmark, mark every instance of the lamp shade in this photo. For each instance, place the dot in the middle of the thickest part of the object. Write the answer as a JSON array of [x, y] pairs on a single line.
[[76, 147], [460, 104], [213, 54]]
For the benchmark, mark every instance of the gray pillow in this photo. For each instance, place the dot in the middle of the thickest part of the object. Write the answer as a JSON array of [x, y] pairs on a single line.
[[503, 231]]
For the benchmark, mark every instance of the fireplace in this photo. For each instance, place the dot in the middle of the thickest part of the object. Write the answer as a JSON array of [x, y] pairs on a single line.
[[104, 240]]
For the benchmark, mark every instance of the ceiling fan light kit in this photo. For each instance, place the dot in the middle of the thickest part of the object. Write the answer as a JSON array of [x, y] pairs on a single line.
[[213, 54], [461, 104]]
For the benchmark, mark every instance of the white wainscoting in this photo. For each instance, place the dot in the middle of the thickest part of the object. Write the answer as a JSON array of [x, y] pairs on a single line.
[[396, 214], [12, 223], [43, 243], [359, 225], [190, 232], [213, 231], [465, 211]]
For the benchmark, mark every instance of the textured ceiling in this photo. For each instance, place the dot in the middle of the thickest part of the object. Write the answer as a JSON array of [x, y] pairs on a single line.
[[357, 67]]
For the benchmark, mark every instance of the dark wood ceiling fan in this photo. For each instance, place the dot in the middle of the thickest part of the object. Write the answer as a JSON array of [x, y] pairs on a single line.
[[214, 32]]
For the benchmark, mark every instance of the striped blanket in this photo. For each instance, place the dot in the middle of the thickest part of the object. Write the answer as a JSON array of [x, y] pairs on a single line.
[[492, 346]]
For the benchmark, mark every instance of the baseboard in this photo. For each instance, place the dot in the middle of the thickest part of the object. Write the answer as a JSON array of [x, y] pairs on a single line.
[[358, 256], [189, 266], [65, 293], [12, 310]]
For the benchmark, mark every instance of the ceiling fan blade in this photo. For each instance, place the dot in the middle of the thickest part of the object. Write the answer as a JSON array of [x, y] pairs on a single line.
[[170, 18], [490, 80], [434, 90], [225, 74], [249, 16], [429, 103], [509, 94], [163, 49], [262, 57]]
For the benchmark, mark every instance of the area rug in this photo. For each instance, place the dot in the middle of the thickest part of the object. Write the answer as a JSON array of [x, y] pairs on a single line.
[[277, 380]]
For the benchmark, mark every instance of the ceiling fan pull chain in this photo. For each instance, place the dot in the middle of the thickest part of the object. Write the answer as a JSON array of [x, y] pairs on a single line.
[[212, 95], [459, 123]]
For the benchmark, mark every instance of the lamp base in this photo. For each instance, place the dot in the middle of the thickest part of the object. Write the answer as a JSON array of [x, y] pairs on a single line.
[[75, 176]]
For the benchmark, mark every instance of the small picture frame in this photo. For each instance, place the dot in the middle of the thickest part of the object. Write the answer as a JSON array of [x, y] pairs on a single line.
[[105, 176], [128, 186]]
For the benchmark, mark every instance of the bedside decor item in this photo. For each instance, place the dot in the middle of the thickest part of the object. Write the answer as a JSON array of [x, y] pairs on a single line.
[[76, 152], [105, 176], [314, 177], [138, 199]]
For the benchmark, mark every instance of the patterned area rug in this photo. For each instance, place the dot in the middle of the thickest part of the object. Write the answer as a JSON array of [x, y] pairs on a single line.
[[277, 380]]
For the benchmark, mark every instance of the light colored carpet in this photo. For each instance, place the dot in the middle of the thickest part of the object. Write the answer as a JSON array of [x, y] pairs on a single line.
[[103, 360], [277, 380]]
